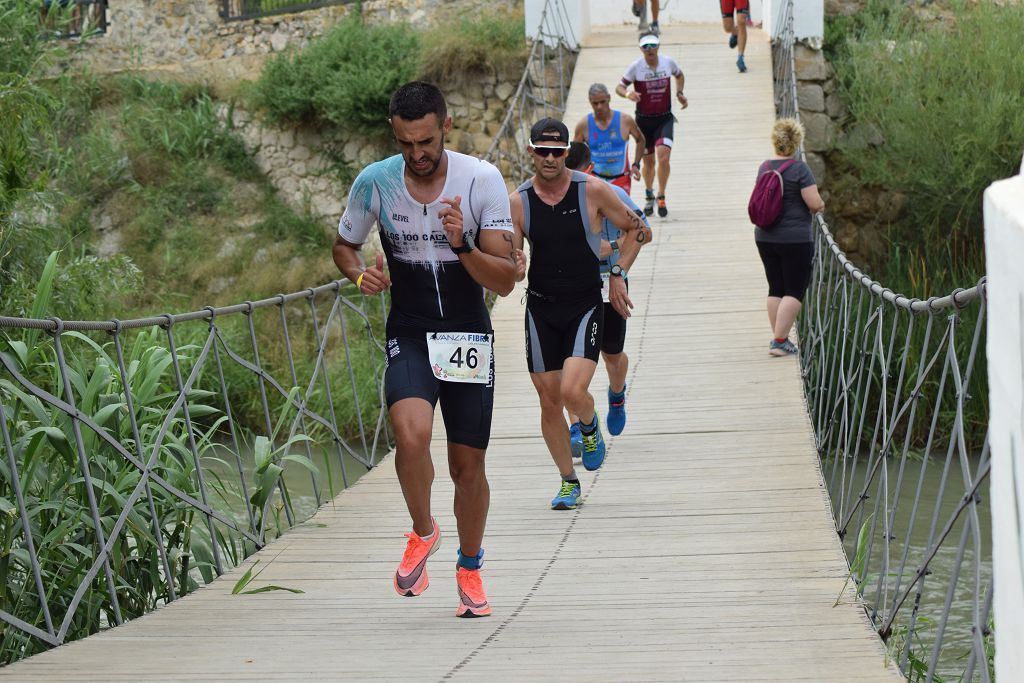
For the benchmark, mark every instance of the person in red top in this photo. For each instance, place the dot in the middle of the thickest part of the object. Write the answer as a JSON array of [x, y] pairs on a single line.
[[737, 29], [651, 77]]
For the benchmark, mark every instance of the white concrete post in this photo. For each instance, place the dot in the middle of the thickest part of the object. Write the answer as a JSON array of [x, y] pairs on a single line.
[[586, 14], [808, 18], [577, 13], [1004, 258]]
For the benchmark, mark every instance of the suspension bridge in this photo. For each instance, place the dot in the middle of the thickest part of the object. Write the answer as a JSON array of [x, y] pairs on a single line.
[[706, 548]]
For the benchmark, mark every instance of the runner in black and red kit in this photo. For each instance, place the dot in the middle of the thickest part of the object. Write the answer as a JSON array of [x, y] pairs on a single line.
[[737, 29], [651, 77]]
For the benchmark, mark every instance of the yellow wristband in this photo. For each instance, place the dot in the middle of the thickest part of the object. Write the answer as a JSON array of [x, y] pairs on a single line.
[[359, 280]]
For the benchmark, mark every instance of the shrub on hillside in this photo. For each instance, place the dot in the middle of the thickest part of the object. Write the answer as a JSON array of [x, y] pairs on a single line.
[[461, 49], [948, 101], [345, 78]]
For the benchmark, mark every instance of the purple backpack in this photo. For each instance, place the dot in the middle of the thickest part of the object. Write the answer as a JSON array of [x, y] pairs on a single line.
[[765, 205]]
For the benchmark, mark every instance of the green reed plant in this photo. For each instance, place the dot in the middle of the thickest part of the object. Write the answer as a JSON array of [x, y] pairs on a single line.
[[45, 451], [948, 100], [47, 461]]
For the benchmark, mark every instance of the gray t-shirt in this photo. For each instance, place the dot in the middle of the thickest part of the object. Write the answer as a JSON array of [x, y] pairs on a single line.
[[793, 226]]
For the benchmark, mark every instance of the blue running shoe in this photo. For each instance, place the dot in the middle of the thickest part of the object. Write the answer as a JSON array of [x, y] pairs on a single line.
[[616, 413], [567, 496], [734, 41], [783, 348], [593, 447], [576, 440], [741, 65]]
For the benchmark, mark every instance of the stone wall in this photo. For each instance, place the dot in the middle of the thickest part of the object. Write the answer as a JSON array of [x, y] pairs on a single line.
[[858, 220], [172, 33], [297, 162], [821, 109]]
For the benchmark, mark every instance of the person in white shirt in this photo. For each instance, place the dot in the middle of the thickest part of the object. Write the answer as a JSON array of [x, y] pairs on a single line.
[[446, 228]]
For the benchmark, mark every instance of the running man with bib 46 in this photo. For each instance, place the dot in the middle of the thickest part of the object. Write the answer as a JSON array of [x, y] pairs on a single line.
[[446, 228]]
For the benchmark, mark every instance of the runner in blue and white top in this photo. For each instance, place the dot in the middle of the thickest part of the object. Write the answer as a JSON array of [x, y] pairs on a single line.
[[446, 227], [607, 133], [616, 361]]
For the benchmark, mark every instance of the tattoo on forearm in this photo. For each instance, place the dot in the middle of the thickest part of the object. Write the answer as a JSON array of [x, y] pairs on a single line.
[[637, 223], [640, 237], [511, 247]]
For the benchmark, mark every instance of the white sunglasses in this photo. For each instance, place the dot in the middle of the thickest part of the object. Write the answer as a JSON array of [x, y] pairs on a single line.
[[549, 151]]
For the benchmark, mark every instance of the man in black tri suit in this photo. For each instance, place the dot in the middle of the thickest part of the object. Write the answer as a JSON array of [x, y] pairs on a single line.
[[446, 229], [560, 212]]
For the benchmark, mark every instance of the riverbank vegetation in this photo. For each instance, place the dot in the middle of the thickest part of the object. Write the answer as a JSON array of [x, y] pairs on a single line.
[[942, 102], [944, 94], [122, 197]]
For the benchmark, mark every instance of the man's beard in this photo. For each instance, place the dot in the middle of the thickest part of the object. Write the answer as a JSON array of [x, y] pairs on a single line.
[[433, 167]]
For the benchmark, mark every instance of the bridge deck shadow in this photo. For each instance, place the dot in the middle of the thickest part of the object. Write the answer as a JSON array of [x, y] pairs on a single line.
[[704, 550]]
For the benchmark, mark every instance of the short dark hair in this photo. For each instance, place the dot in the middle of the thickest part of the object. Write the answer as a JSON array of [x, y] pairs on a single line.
[[415, 100], [579, 156]]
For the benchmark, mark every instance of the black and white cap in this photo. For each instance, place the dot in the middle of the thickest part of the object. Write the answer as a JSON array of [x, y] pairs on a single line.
[[549, 130]]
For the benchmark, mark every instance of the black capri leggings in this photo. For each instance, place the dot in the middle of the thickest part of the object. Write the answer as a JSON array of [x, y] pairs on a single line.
[[787, 267]]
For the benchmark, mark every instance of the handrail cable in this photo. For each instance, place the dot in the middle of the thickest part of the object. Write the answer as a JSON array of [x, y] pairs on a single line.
[[887, 381]]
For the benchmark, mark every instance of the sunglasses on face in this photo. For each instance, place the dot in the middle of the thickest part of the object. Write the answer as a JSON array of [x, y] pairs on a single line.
[[555, 152], [648, 47]]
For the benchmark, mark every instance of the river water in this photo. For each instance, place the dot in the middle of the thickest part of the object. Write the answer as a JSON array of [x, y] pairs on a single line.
[[974, 579]]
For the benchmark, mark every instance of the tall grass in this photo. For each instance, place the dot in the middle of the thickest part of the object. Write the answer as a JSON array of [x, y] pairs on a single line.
[[948, 101], [464, 49]]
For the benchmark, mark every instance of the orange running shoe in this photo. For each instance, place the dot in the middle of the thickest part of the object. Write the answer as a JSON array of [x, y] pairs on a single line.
[[472, 599], [411, 577]]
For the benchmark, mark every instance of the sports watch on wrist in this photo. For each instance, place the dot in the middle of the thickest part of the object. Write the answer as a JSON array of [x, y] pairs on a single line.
[[467, 245], [617, 271]]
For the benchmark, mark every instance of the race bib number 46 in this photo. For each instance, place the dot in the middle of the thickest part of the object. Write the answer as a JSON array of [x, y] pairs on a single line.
[[460, 356]]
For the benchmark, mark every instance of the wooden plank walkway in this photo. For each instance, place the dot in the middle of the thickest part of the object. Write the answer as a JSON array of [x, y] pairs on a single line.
[[704, 550]]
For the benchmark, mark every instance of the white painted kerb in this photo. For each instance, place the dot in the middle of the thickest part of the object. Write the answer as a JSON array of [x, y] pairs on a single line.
[[808, 18], [1004, 248]]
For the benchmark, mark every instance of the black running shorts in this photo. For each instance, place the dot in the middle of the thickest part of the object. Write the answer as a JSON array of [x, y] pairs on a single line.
[[466, 407], [614, 329], [657, 130], [556, 330]]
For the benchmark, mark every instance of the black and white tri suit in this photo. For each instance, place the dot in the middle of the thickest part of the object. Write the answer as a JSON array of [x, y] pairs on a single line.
[[431, 290], [564, 312]]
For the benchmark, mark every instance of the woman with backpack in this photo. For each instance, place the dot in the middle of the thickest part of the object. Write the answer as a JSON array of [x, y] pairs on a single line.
[[784, 235]]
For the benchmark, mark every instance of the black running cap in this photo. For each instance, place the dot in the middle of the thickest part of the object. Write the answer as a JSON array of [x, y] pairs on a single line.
[[549, 130]]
